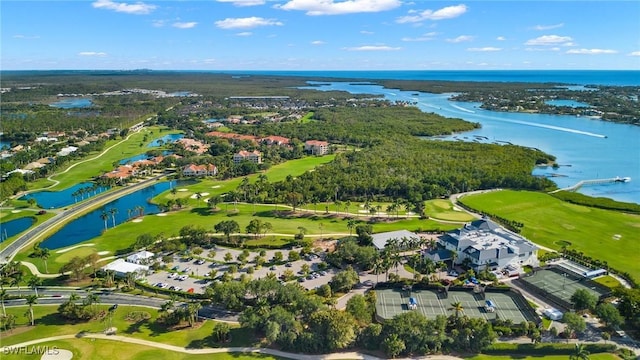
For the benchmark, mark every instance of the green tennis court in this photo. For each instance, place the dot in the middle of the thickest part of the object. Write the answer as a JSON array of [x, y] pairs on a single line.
[[562, 284], [431, 303]]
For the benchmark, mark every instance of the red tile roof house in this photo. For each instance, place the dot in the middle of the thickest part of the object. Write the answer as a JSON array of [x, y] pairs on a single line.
[[316, 147], [200, 170], [193, 145], [252, 156], [275, 140]]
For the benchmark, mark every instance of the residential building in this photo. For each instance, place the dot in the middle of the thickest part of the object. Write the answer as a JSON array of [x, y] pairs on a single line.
[[200, 170], [251, 156], [193, 145], [275, 140], [488, 245], [316, 147]]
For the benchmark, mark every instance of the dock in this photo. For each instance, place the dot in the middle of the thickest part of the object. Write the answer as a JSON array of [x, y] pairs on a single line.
[[582, 183]]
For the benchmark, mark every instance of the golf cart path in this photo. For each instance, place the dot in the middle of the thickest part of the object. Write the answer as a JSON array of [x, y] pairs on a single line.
[[333, 356]]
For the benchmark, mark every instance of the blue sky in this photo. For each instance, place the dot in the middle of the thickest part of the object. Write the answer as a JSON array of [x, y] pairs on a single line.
[[319, 35]]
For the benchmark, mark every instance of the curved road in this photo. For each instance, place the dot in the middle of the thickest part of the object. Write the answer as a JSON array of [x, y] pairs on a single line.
[[12, 249]]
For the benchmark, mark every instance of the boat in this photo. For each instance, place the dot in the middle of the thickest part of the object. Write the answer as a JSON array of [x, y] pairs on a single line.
[[622, 179]]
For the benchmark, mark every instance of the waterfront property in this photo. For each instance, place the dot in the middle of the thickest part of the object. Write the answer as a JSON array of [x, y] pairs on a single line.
[[488, 245]]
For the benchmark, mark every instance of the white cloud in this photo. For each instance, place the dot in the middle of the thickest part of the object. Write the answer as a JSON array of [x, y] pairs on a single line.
[[373, 48], [331, 7], [158, 23], [246, 23], [92, 53], [365, 32], [550, 40], [243, 2], [548, 27], [448, 12], [501, 38], [318, 42], [26, 37], [485, 49], [138, 8], [461, 38], [185, 25], [592, 51], [543, 49], [244, 33], [425, 37], [635, 53]]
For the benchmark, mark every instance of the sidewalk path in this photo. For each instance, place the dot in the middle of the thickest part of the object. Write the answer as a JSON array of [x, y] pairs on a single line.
[[334, 356]]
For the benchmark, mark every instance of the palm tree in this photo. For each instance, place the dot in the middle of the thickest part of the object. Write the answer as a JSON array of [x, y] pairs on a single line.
[[580, 353], [457, 308], [198, 196], [31, 300], [92, 300], [3, 296], [34, 282], [44, 254], [192, 310], [113, 212], [396, 261], [104, 216], [351, 224]]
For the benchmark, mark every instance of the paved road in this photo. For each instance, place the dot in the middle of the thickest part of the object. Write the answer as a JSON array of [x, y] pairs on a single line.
[[56, 296], [12, 249]]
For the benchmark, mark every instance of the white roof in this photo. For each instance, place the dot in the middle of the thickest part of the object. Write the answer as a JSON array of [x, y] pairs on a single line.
[[140, 255], [381, 239], [551, 312], [123, 267]]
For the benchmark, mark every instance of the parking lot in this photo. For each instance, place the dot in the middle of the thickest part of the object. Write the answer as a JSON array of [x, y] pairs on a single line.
[[194, 275]]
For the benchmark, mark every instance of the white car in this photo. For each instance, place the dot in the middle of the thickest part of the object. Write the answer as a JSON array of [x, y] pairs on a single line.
[[172, 275], [183, 277]]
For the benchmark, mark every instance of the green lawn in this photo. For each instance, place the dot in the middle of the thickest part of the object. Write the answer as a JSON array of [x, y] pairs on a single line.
[[135, 145], [125, 234], [545, 357], [607, 281], [443, 209], [551, 222], [48, 322], [92, 349]]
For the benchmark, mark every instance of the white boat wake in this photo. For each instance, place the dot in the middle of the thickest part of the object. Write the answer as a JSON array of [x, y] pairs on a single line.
[[463, 109]]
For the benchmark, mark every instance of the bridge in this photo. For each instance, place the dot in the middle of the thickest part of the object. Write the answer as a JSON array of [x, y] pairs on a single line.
[[582, 183]]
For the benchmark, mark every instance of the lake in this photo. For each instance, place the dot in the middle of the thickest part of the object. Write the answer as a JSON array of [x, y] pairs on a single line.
[[62, 198], [16, 226], [72, 103], [91, 225], [585, 148], [171, 138], [141, 157]]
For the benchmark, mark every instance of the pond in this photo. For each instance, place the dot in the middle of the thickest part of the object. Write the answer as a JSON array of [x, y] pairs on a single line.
[[141, 157], [72, 103], [92, 225], [16, 226], [171, 138], [57, 199]]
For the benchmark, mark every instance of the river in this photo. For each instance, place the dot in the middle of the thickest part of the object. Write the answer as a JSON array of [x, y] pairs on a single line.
[[586, 148]]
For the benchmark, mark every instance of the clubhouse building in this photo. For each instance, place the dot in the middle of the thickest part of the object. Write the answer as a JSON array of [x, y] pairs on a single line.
[[488, 245]]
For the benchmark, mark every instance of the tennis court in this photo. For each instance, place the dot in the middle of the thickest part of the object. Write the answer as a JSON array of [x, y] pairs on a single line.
[[431, 303], [562, 284]]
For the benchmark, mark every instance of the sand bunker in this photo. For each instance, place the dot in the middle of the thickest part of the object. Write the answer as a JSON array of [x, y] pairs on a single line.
[[15, 211], [57, 354], [162, 214], [215, 186], [73, 247], [183, 189], [136, 220], [103, 253]]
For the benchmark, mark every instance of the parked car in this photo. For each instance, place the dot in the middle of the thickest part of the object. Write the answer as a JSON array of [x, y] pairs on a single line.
[[187, 270], [199, 262], [172, 275]]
